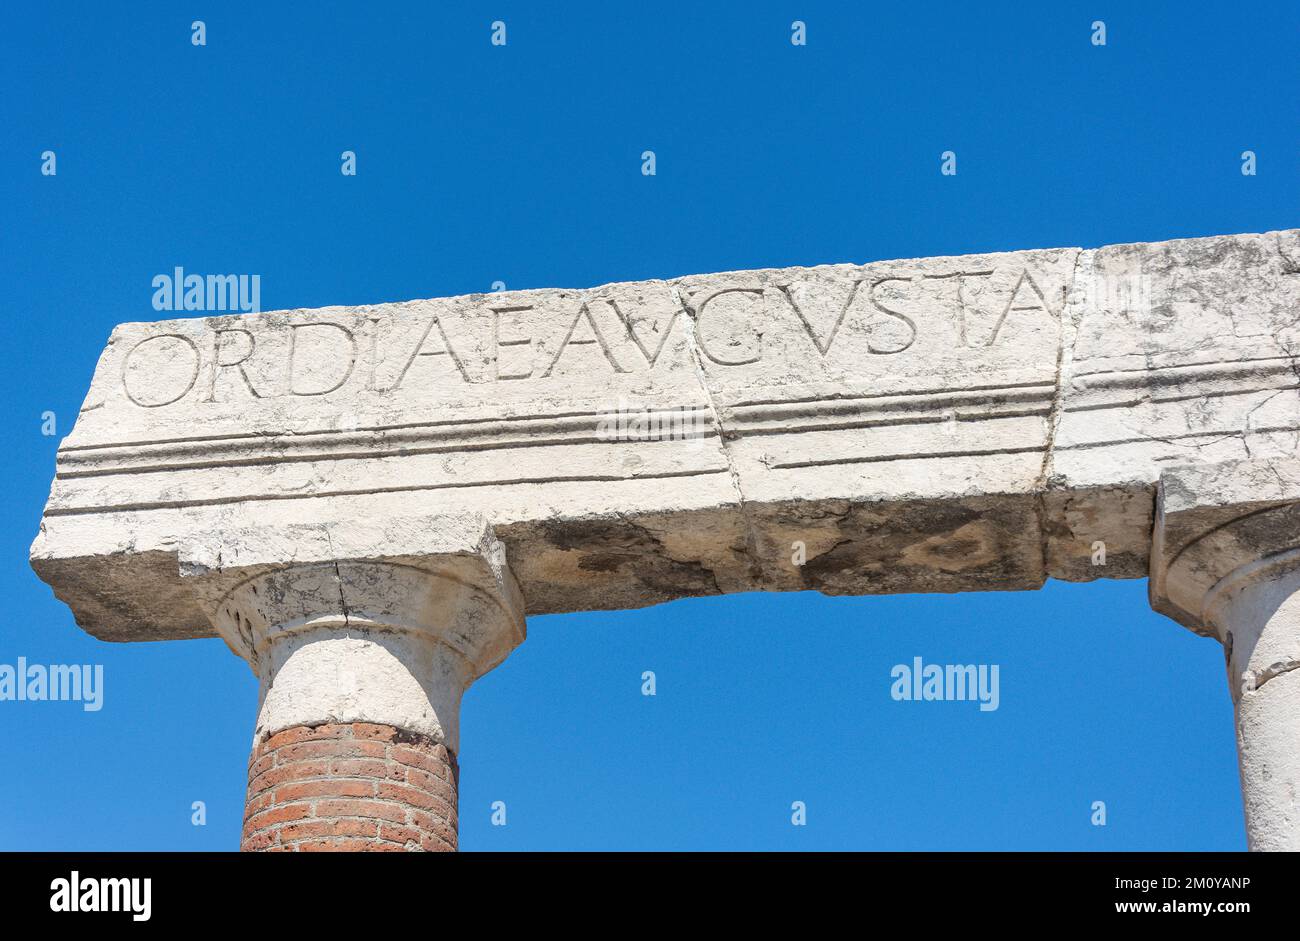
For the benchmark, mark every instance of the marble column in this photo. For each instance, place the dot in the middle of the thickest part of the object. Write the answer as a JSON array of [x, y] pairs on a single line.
[[1226, 562]]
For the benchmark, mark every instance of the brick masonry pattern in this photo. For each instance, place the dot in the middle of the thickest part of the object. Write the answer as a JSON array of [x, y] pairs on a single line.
[[350, 787]]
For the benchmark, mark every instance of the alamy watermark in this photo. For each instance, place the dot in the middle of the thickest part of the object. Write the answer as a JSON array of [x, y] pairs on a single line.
[[78, 894], [632, 421], [1122, 292], [60, 682], [951, 682], [217, 293]]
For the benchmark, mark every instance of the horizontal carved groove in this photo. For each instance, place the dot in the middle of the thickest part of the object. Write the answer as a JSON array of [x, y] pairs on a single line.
[[280, 457], [366, 491], [914, 456], [924, 455], [1158, 439], [349, 445], [1214, 369], [936, 402], [545, 421], [964, 417], [1046, 388], [1129, 402]]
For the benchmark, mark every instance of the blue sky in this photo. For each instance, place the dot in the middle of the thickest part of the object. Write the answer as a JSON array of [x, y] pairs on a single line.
[[522, 164]]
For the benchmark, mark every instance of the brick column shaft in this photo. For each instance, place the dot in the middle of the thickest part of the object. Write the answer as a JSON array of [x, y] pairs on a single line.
[[356, 786]]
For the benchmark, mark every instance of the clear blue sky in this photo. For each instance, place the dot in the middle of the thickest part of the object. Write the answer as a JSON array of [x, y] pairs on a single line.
[[522, 164]]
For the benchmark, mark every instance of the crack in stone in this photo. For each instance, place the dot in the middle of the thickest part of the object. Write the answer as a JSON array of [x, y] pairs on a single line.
[[338, 576], [1255, 680], [1294, 363], [751, 533], [1289, 265], [1216, 437], [1069, 335]]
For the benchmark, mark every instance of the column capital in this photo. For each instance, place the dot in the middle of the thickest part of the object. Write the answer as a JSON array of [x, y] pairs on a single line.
[[1220, 528], [373, 620], [1226, 562]]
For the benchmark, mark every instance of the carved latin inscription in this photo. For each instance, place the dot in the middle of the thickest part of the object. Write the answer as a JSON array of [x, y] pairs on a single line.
[[160, 370], [378, 350]]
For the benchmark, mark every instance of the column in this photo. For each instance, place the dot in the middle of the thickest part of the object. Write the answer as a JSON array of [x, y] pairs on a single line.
[[362, 663], [1258, 615], [1229, 566]]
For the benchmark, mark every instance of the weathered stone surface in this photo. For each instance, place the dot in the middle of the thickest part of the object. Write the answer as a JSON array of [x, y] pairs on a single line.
[[362, 620], [943, 424], [1216, 524], [1176, 353], [1226, 562]]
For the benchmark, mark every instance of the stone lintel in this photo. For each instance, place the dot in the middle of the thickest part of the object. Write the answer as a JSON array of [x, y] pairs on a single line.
[[976, 422]]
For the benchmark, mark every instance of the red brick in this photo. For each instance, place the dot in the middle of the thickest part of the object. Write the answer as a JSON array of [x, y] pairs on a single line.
[[367, 768], [380, 810], [330, 787], [432, 825], [257, 764], [303, 733], [375, 733], [339, 846], [429, 761], [432, 844], [286, 773], [349, 787], [261, 841], [411, 796], [323, 828], [400, 834], [432, 783], [281, 813], [258, 804], [336, 748]]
